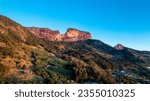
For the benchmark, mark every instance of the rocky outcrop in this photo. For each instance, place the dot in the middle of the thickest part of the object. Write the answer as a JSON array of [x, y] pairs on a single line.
[[75, 35], [119, 47], [45, 33], [70, 36]]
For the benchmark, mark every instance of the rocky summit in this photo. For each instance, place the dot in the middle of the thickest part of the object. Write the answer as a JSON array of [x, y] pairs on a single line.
[[43, 56], [119, 47], [70, 36], [75, 35]]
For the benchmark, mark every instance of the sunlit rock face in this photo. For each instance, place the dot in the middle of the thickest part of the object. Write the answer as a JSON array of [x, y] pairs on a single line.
[[70, 36], [76, 35], [45, 33]]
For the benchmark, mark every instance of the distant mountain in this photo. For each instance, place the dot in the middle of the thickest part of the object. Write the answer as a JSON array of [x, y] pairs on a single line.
[[70, 36], [119, 47], [41, 55]]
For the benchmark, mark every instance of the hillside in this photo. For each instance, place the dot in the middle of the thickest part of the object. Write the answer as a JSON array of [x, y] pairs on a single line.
[[41, 55]]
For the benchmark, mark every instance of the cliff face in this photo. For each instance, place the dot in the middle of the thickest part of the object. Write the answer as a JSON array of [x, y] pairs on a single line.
[[45, 33], [70, 36], [75, 35]]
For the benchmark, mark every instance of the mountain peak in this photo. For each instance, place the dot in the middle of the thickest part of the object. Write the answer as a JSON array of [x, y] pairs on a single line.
[[75, 35], [119, 47]]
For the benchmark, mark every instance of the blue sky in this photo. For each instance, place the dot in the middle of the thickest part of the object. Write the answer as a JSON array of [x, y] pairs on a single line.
[[111, 21]]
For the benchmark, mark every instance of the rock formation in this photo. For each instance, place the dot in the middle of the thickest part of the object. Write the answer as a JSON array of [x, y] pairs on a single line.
[[45, 33], [119, 47], [70, 36], [75, 35]]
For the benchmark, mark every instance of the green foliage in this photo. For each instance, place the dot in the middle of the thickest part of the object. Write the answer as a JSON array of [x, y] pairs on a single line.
[[41, 57], [126, 79], [2, 70]]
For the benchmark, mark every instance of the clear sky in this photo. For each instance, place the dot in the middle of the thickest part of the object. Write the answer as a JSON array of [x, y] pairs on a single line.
[[111, 21]]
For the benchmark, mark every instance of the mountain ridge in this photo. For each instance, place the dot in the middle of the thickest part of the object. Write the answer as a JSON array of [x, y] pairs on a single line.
[[26, 58], [71, 35]]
